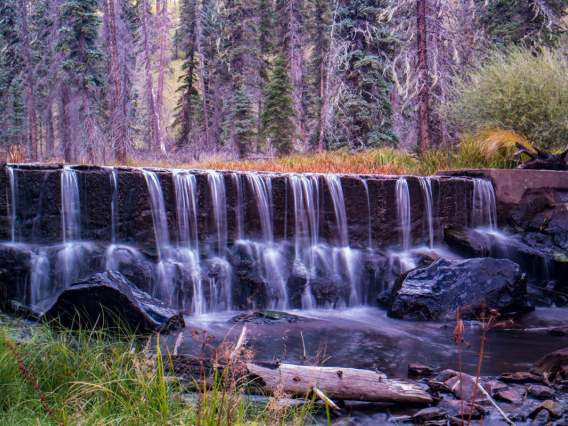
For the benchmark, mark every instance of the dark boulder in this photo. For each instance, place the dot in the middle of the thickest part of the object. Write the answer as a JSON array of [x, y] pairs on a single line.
[[552, 364], [436, 291], [111, 298], [267, 318]]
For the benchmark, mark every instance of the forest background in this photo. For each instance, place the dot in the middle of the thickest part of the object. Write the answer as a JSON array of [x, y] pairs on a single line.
[[181, 81]]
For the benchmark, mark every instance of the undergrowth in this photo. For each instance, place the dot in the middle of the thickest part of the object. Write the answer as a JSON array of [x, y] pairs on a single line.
[[89, 377], [486, 149]]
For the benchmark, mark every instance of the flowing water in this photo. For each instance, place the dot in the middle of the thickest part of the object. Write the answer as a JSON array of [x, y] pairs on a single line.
[[404, 213], [484, 210], [195, 264], [426, 185]]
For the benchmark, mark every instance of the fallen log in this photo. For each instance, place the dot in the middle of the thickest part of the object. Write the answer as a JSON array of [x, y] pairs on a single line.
[[299, 381], [540, 159], [338, 383]]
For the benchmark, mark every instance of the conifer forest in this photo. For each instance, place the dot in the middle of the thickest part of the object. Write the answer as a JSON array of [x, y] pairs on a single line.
[[104, 81]]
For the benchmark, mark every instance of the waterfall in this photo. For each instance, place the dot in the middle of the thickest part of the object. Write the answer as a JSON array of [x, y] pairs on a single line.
[[216, 183], [366, 186], [11, 200], [272, 261], [70, 208], [159, 216], [70, 258], [426, 185], [344, 259], [336, 191], [484, 208], [188, 247], [237, 182], [114, 206], [220, 288], [403, 212], [186, 209], [305, 191]]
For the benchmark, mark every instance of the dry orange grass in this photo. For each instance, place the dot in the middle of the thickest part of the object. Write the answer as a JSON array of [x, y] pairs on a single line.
[[386, 161]]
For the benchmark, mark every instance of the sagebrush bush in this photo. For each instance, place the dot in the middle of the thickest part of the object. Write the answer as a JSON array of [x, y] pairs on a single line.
[[520, 90]]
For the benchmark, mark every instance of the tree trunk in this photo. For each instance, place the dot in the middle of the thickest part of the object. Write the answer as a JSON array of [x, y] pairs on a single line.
[[29, 81], [65, 126], [50, 136], [423, 97], [117, 122], [301, 381], [202, 71], [162, 64], [325, 102], [157, 135]]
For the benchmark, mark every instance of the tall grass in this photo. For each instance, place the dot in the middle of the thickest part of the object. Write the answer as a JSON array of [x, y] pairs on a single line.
[[486, 149], [519, 89], [87, 377]]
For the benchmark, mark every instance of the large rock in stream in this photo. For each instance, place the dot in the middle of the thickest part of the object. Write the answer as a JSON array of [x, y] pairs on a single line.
[[110, 298], [436, 291]]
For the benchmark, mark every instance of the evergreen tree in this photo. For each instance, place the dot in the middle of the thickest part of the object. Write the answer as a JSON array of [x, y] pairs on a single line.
[[83, 64], [12, 119], [525, 22], [243, 120], [278, 113], [364, 112]]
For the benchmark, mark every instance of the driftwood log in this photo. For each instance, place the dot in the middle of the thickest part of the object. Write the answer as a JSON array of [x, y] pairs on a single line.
[[540, 159], [300, 381]]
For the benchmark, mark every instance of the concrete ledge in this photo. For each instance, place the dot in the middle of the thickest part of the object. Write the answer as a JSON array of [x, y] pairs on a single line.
[[516, 188]]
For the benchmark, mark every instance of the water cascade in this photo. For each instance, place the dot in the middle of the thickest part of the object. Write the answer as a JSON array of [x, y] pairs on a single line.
[[187, 252], [305, 190], [426, 185], [366, 186], [11, 200], [220, 289], [344, 258], [403, 213], [484, 210], [276, 241], [271, 259]]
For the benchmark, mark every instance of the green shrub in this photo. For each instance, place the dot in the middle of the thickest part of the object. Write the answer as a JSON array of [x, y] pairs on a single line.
[[520, 90]]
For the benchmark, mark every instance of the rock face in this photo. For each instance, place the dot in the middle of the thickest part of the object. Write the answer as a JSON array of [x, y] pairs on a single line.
[[435, 292], [108, 296]]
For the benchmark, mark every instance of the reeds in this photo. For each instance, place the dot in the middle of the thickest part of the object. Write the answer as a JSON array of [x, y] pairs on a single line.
[[91, 377]]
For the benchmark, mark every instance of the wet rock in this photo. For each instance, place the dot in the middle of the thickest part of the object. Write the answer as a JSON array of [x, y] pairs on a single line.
[[421, 370], [454, 409], [541, 392], [15, 269], [467, 386], [111, 298], [439, 386], [517, 417], [435, 292], [520, 377], [268, 318], [429, 413], [555, 409], [510, 395], [542, 418], [445, 375], [551, 364], [494, 386]]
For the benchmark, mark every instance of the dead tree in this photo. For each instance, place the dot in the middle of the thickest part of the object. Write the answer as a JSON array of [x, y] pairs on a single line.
[[540, 159]]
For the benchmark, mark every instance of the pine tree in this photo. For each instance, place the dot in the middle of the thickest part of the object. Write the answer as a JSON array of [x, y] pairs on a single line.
[[524, 22], [363, 117], [278, 113], [83, 63], [12, 118], [243, 120]]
